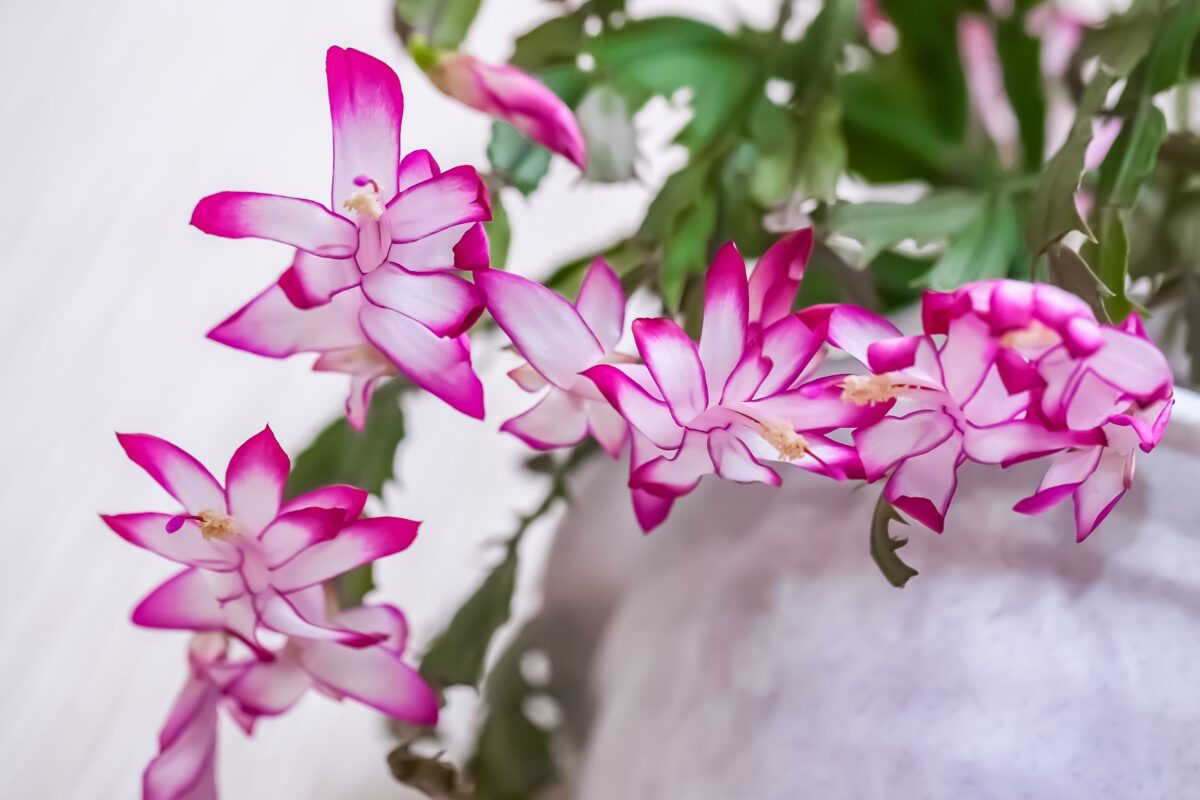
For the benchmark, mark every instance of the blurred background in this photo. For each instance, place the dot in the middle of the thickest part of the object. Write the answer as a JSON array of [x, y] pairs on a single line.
[[118, 117]]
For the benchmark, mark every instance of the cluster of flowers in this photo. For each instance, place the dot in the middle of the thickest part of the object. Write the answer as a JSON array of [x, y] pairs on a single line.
[[1003, 372], [254, 581]]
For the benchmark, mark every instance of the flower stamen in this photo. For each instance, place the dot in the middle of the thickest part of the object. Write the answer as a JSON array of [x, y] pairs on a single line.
[[1034, 337], [213, 524], [868, 390], [366, 201], [783, 437]]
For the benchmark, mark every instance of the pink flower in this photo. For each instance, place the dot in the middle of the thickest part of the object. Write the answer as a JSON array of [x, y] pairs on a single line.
[[371, 286], [741, 397], [515, 97], [249, 688], [1124, 390], [559, 341], [252, 559]]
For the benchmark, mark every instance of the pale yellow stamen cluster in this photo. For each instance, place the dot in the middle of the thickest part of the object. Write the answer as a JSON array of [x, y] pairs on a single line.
[[1036, 336], [215, 525], [780, 435], [867, 390], [366, 202]]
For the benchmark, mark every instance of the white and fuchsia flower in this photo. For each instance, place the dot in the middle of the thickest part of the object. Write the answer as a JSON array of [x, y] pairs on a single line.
[[743, 397], [372, 286], [1017, 371], [515, 97], [253, 559], [560, 340], [249, 688]]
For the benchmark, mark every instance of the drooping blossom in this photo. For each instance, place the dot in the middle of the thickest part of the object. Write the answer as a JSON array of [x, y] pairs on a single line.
[[249, 688], [985, 82], [743, 395], [560, 340], [515, 97], [951, 404], [1022, 371], [262, 558], [371, 286], [1124, 389]]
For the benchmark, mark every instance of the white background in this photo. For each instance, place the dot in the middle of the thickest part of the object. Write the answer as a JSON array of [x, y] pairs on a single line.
[[116, 117]]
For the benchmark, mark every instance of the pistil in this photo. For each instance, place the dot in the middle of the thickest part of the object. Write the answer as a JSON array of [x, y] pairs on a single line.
[[366, 201]]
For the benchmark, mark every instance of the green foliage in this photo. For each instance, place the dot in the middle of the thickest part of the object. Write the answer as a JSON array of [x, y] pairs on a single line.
[[881, 226], [499, 231], [985, 248], [457, 656], [364, 458], [443, 24], [1020, 59], [516, 160], [607, 125], [884, 545], [1069, 270]]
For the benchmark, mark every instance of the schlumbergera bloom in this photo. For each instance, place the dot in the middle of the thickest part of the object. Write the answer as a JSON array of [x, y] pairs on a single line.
[[372, 287], [560, 340], [1021, 371], [257, 563], [510, 95], [262, 558], [742, 396]]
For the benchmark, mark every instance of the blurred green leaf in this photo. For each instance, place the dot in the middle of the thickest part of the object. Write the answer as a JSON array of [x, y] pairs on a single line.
[[1121, 42], [1052, 212], [515, 159], [607, 126], [458, 655], [927, 32], [555, 42], [443, 24], [823, 153], [1070, 271], [435, 778], [983, 249], [499, 231], [1020, 59], [685, 251], [884, 545], [1110, 254], [513, 758], [1167, 65], [1132, 158], [881, 226], [662, 55], [364, 459]]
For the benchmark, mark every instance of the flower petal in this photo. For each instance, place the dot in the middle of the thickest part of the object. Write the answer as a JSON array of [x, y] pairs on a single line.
[[358, 543], [792, 350], [381, 618], [350, 499], [301, 223], [601, 304], [607, 427], [557, 420], [647, 414], [923, 485], [674, 362], [184, 769], [367, 106], [1020, 440], [543, 326], [270, 687], [313, 281], [679, 473], [892, 439], [733, 461], [776, 277], [293, 532], [182, 476], [254, 481], [726, 302], [185, 546], [1100, 492], [457, 247], [184, 602], [283, 614], [444, 303], [966, 356], [814, 406], [416, 167], [456, 196], [650, 509], [1066, 472], [271, 325], [438, 365], [849, 328], [373, 676]]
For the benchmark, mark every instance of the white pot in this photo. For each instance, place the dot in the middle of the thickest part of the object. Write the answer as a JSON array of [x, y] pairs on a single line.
[[751, 649]]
